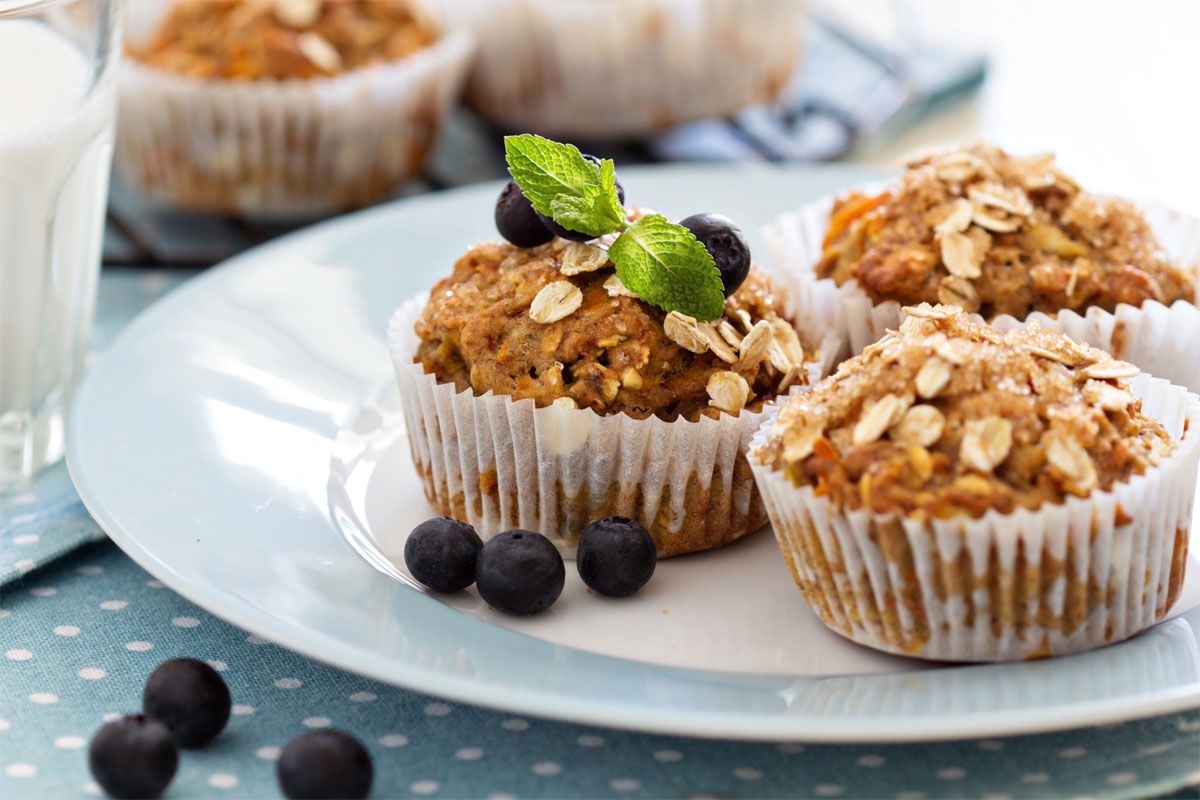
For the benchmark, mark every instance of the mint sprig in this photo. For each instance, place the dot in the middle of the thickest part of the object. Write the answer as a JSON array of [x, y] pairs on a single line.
[[668, 269], [562, 184], [659, 261]]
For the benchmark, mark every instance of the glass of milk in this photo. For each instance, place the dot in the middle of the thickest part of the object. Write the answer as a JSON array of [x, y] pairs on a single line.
[[57, 59]]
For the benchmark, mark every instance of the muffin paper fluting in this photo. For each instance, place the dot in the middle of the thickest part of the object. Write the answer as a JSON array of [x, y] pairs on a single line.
[[1163, 341], [500, 464], [1059, 579], [286, 148]]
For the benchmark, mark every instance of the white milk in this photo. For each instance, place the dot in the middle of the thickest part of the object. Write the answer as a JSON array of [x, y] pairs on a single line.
[[56, 135]]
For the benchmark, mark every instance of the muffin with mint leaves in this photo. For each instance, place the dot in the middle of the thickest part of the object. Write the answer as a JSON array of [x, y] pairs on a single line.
[[601, 362]]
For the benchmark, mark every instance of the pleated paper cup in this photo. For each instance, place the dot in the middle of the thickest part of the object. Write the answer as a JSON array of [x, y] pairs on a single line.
[[1060, 579], [499, 463], [286, 148], [1161, 340], [612, 68]]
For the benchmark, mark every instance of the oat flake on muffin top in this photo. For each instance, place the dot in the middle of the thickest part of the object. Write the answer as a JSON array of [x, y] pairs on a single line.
[[948, 417], [553, 323], [996, 234]]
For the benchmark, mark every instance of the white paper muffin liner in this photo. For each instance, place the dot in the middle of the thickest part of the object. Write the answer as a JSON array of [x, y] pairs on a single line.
[[285, 148], [624, 67], [499, 463], [1060, 579], [1161, 340]]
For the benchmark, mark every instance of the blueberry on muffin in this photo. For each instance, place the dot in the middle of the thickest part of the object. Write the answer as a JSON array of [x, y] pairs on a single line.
[[550, 385]]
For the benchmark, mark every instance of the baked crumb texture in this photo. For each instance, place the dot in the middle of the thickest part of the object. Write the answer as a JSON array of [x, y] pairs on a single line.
[[248, 40], [552, 322], [543, 395], [995, 234], [962, 494]]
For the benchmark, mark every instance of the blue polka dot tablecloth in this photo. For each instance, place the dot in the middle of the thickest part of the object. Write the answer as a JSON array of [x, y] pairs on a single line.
[[82, 626]]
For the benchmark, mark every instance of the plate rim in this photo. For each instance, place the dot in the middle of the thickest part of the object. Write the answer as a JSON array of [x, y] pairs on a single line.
[[620, 714]]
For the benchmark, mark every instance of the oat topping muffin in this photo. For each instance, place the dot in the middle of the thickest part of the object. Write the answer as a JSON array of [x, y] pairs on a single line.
[[603, 362], [573, 400], [950, 417], [995, 234], [1012, 239], [283, 39], [960, 493], [612, 353]]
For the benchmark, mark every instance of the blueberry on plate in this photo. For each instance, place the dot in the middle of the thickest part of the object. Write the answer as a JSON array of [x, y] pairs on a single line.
[[133, 757], [727, 245], [189, 697], [517, 221], [558, 230], [616, 556], [441, 553], [325, 764], [520, 572]]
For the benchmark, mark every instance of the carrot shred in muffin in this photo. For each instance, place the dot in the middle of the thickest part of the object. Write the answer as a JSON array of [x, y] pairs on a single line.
[[283, 39], [949, 417], [996, 234]]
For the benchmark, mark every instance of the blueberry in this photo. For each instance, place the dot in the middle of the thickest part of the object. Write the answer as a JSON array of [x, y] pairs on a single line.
[[558, 230], [133, 757], [727, 245], [520, 572], [441, 553], [517, 221], [616, 556], [325, 764], [189, 697]]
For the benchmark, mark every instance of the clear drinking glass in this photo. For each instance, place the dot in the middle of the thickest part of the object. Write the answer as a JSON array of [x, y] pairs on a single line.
[[57, 96]]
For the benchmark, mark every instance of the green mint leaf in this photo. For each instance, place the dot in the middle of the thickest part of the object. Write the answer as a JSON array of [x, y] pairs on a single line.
[[590, 214], [565, 186], [666, 266], [609, 203]]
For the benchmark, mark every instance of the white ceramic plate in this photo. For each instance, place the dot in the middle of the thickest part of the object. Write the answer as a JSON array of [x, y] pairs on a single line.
[[241, 441]]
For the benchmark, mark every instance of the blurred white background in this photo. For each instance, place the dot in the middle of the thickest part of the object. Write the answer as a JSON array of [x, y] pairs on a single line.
[[1113, 86]]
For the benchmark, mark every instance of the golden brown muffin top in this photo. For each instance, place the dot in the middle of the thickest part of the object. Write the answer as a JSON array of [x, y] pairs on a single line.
[[283, 39], [554, 322], [991, 233], [949, 417]]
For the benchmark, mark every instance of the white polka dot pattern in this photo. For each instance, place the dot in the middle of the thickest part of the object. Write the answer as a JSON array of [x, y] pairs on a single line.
[[268, 753], [222, 780], [76, 662]]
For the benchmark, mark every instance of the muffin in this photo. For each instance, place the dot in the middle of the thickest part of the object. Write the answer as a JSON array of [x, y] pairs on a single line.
[[282, 107], [1011, 239], [539, 393], [620, 68], [959, 493]]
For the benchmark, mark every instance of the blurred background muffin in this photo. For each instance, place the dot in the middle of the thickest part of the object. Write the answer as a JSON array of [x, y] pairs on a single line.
[[619, 68], [282, 107]]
